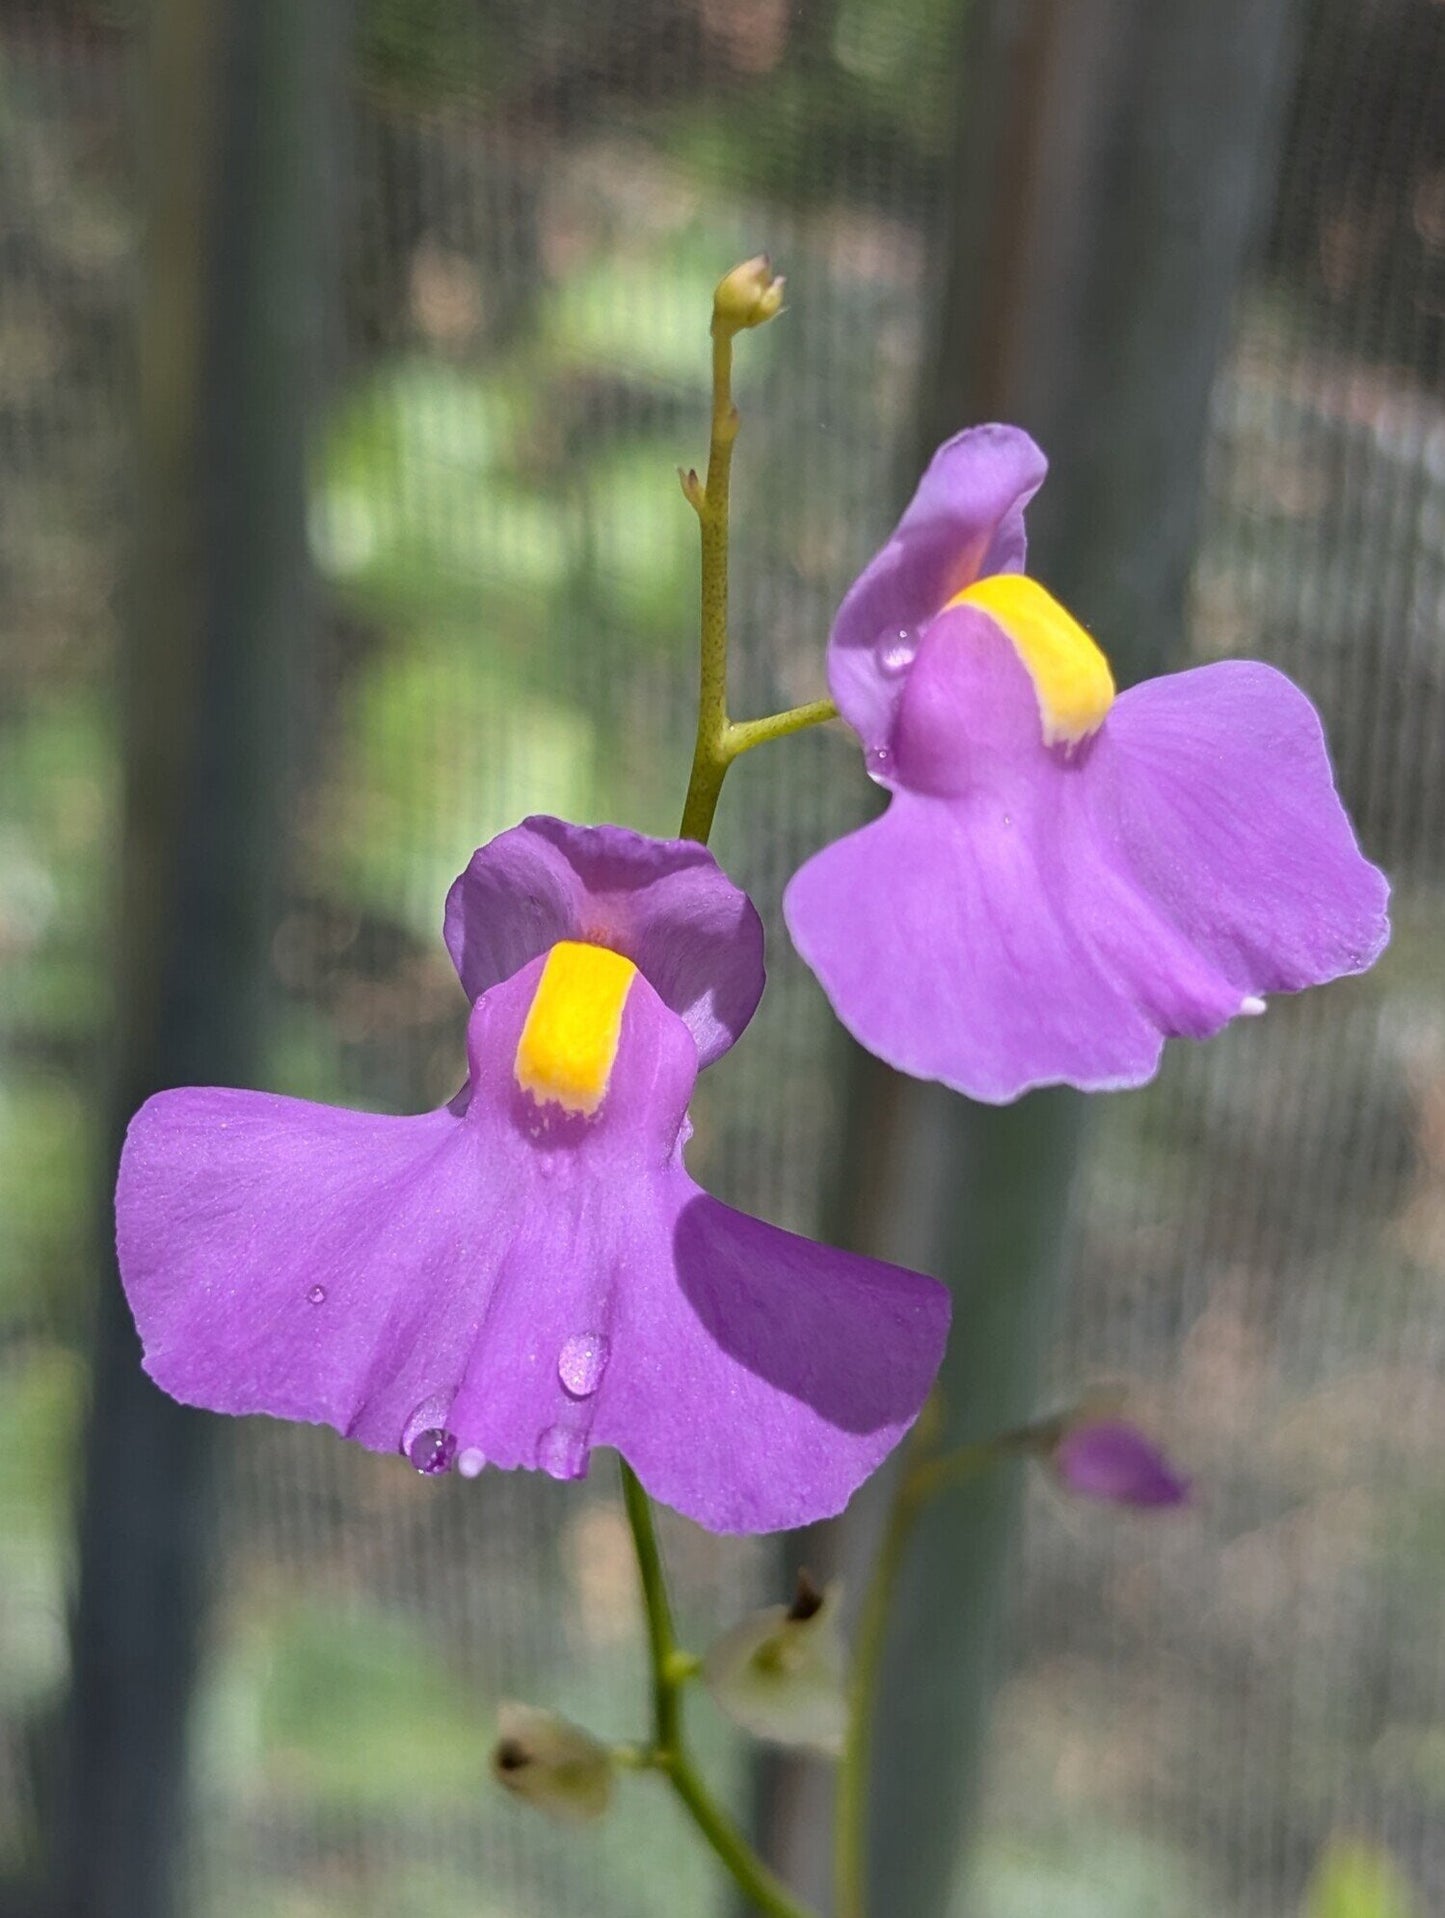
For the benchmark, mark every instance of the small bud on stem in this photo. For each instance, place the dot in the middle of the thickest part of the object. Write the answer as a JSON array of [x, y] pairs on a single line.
[[780, 1672], [748, 296], [554, 1765]]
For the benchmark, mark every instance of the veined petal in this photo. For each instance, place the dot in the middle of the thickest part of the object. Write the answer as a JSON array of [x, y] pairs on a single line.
[[942, 937], [517, 1283], [1217, 794], [305, 1261], [965, 520], [663, 903], [1025, 915], [761, 1377]]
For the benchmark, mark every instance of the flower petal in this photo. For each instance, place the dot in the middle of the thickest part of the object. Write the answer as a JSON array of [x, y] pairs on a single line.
[[937, 937], [304, 1261], [759, 1377], [965, 521], [1224, 810], [1025, 915], [665, 903], [518, 1283]]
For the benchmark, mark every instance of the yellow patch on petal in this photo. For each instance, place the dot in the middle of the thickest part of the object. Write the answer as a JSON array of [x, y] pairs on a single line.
[[569, 1042], [1072, 681]]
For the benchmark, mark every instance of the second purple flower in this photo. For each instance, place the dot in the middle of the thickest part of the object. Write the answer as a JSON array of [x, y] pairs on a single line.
[[1064, 877]]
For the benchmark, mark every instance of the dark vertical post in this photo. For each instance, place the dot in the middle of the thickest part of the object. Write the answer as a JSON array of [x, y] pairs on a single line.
[[1110, 171], [237, 134]]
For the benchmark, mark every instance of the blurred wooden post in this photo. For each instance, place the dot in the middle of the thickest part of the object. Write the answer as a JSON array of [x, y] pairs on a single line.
[[237, 136], [1114, 157]]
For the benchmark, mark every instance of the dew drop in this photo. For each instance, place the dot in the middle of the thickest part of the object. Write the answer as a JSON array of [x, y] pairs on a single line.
[[426, 1443], [471, 1462], [878, 763], [1252, 1007], [431, 1452], [562, 1453], [897, 650], [317, 1295], [582, 1361]]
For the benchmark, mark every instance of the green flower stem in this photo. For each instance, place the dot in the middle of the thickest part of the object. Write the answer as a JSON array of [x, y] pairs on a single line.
[[743, 734], [719, 742], [922, 1476], [709, 500], [661, 1636], [671, 1670], [719, 739], [752, 1877]]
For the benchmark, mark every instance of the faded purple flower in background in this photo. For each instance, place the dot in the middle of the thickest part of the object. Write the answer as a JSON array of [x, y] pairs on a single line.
[[530, 1271], [1110, 1459], [1063, 878]]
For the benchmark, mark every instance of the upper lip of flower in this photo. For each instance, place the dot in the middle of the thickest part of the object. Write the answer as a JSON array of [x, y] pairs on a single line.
[[965, 521], [663, 903]]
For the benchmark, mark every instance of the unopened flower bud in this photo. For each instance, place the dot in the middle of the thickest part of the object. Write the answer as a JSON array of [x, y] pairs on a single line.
[[553, 1764], [780, 1672], [748, 296], [1110, 1459]]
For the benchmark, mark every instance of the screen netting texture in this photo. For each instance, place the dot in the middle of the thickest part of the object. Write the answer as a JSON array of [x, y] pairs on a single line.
[[541, 198]]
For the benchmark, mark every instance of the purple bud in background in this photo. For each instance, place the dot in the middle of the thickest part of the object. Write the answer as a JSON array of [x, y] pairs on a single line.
[[1114, 1461]]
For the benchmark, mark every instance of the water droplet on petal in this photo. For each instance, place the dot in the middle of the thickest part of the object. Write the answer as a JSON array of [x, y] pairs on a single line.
[[582, 1361], [426, 1443], [431, 1452], [317, 1295], [1251, 1007], [878, 763], [562, 1453], [472, 1462], [897, 650]]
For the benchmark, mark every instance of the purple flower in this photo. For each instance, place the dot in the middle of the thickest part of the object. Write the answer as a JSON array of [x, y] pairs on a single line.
[[1063, 878], [530, 1271], [1111, 1460]]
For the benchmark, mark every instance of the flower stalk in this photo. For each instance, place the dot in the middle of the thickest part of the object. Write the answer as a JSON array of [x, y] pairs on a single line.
[[671, 1670], [749, 296], [746, 297]]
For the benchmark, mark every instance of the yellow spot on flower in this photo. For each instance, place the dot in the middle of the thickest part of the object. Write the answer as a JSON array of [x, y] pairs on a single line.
[[1072, 681], [569, 1042]]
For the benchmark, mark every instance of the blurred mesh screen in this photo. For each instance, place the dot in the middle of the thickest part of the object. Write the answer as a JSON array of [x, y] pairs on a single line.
[[542, 196]]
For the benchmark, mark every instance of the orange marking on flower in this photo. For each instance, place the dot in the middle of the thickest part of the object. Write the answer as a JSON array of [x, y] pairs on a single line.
[[1071, 676], [569, 1041]]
